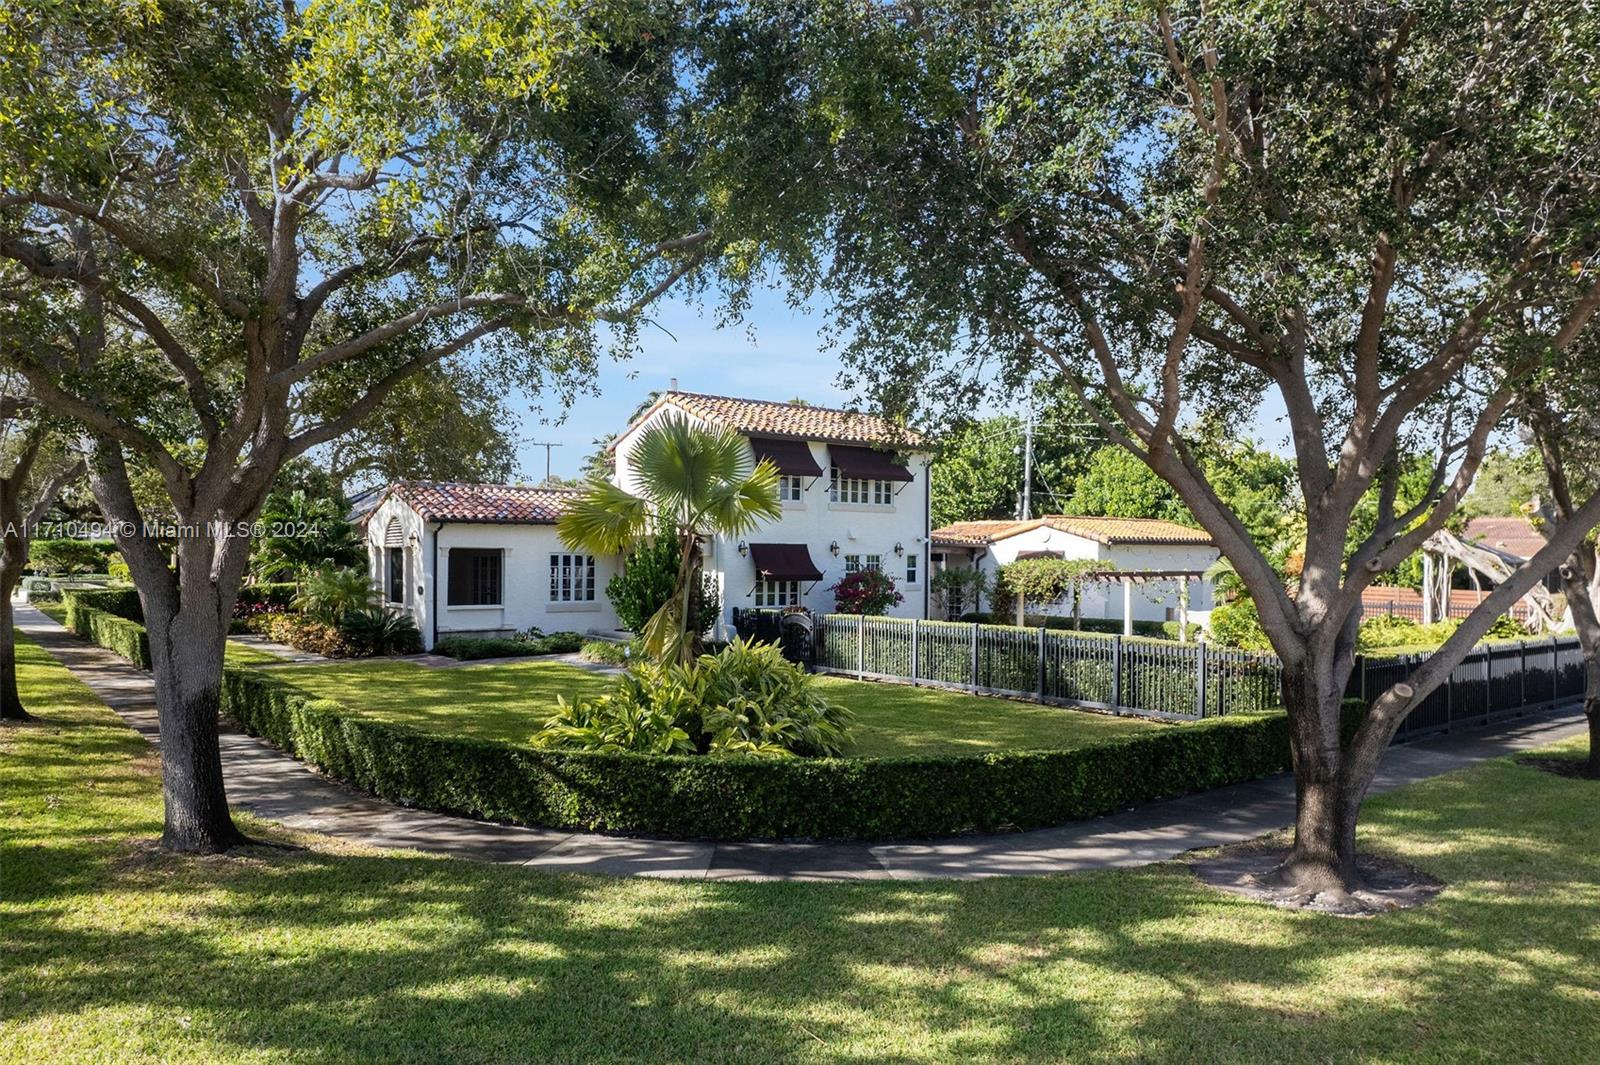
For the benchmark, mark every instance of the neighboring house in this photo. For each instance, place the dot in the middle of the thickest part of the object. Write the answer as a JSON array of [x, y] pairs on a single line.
[[1148, 563], [854, 491], [484, 559]]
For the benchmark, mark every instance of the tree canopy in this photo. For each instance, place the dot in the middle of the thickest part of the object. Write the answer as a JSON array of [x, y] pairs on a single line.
[[1380, 220], [243, 225]]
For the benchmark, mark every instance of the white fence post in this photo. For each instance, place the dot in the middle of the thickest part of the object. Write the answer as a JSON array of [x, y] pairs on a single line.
[[1041, 663], [916, 648], [974, 656]]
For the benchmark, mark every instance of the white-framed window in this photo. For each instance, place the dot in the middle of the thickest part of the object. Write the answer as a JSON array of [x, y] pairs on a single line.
[[911, 569], [791, 489], [852, 563], [571, 578], [857, 490], [873, 562], [476, 577], [777, 593]]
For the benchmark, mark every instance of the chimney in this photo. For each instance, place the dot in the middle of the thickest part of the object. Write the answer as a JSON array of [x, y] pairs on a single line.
[[672, 384]]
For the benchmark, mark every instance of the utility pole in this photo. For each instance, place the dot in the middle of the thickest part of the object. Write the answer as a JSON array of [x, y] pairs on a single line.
[[547, 445], [1027, 460]]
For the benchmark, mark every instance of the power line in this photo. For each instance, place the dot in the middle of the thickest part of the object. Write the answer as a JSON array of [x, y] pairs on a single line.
[[547, 445]]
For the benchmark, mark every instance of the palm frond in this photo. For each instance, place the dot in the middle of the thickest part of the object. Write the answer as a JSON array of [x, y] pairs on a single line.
[[605, 519]]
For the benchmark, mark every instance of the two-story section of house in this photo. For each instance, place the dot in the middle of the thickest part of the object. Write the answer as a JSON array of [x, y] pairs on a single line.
[[854, 491]]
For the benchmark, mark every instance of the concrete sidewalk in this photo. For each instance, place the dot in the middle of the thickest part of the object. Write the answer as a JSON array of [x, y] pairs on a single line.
[[273, 785]]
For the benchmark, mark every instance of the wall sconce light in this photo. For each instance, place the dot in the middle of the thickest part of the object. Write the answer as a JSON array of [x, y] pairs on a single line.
[[744, 549], [833, 548], [899, 548]]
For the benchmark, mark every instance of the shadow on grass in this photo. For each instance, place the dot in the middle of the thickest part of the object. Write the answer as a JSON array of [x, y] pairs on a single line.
[[325, 956]]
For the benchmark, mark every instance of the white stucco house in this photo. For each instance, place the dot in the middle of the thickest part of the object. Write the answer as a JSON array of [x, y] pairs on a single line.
[[855, 495], [1154, 570], [477, 559], [484, 559]]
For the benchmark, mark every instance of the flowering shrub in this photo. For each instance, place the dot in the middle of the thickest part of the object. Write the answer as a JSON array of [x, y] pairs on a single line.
[[866, 591]]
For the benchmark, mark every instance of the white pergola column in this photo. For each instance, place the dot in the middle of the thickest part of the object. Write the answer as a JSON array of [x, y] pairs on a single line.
[[1183, 609], [1127, 606]]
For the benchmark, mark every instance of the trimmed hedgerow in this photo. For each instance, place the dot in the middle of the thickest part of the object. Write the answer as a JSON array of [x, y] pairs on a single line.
[[475, 647], [113, 619], [731, 797]]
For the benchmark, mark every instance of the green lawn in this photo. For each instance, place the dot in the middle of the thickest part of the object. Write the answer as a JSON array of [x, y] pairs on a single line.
[[510, 701], [502, 701], [335, 954], [896, 719]]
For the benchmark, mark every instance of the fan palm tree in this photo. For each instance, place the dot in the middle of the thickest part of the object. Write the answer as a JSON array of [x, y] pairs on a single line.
[[693, 481]]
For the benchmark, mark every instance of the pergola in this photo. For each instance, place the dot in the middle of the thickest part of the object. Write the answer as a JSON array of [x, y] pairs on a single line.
[[1130, 577]]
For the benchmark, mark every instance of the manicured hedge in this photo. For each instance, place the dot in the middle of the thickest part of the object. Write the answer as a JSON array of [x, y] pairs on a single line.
[[112, 619], [744, 798], [475, 647]]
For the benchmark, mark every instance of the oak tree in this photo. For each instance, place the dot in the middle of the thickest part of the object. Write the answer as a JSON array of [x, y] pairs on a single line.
[[254, 205], [1319, 213]]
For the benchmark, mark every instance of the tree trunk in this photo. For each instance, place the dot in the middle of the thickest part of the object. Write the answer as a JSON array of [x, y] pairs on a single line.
[[186, 649], [11, 708], [1578, 579], [1327, 800], [1591, 710]]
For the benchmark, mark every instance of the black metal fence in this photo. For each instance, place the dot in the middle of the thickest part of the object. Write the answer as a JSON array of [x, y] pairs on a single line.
[[1493, 681], [1160, 678], [1152, 677]]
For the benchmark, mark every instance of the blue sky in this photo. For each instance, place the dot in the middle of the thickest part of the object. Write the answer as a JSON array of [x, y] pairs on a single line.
[[775, 354], [783, 360]]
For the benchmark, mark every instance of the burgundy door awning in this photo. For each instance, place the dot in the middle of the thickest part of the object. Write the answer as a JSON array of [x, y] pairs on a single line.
[[784, 562], [792, 457], [867, 464]]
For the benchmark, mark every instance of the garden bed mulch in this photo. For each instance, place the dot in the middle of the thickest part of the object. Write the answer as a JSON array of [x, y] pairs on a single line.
[[1387, 885], [1572, 768]]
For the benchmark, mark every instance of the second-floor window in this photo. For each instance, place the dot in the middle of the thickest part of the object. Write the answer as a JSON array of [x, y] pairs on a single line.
[[857, 490], [571, 578], [791, 489]]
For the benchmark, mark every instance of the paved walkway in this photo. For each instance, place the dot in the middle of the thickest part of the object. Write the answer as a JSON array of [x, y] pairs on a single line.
[[273, 785]]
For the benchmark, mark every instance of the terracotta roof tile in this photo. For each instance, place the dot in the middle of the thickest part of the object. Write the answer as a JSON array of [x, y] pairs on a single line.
[[798, 420], [1511, 535], [1102, 530], [974, 532], [505, 504]]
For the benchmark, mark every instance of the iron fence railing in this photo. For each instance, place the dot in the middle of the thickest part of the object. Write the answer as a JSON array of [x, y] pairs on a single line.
[[1164, 679]]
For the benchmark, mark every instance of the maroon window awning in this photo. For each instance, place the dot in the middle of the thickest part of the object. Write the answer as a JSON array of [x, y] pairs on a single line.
[[792, 457], [867, 464], [784, 562]]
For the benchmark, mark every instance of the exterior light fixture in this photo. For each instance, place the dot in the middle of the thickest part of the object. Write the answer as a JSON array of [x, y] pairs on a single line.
[[899, 548], [744, 549], [833, 548]]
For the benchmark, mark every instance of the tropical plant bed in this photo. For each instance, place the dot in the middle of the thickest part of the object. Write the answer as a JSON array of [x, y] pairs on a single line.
[[740, 797]]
